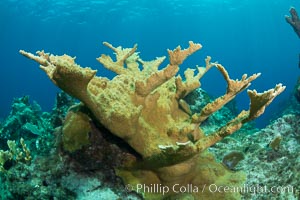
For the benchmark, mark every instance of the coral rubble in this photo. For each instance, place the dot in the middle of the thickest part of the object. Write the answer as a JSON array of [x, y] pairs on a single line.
[[268, 167], [144, 106]]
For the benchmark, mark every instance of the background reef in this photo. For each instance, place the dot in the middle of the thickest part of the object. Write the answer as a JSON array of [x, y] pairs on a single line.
[[52, 174]]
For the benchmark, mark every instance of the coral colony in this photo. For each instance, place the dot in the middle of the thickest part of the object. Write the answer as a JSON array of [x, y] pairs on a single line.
[[144, 107]]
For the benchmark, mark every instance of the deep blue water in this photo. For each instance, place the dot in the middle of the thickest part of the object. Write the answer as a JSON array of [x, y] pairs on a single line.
[[246, 36]]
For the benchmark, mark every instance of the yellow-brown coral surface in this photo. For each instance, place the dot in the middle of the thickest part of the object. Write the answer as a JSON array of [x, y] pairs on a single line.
[[144, 106]]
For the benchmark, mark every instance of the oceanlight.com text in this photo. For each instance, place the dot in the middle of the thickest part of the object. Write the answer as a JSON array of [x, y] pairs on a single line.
[[212, 188]]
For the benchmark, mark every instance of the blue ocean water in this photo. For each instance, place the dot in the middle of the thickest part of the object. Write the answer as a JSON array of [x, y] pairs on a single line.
[[246, 36]]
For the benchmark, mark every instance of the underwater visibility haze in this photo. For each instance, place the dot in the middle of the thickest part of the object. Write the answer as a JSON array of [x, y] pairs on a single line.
[[136, 133]]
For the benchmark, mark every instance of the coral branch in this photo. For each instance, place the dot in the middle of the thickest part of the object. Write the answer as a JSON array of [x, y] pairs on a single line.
[[224, 131], [143, 88], [259, 101], [121, 55], [15, 153], [43, 58], [177, 56], [192, 81], [154, 77], [65, 73], [26, 152], [151, 66], [294, 21], [233, 88]]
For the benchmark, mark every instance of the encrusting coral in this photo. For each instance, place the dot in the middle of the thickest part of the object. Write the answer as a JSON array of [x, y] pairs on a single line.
[[144, 106]]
